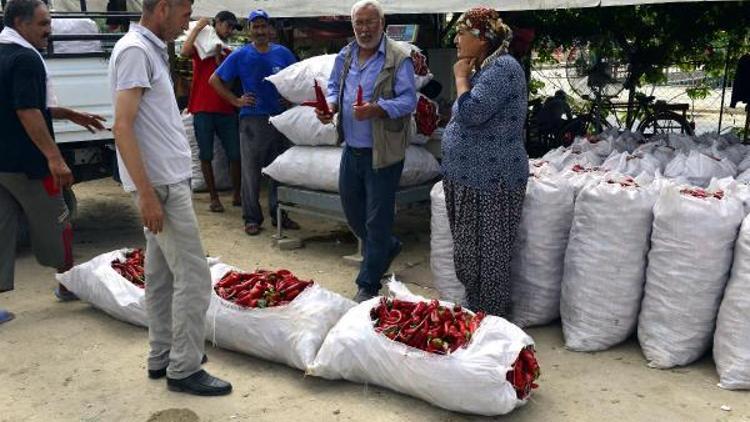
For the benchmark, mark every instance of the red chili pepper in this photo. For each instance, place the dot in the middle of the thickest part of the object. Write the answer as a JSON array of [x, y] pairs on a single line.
[[289, 296], [229, 279], [320, 100], [420, 309], [283, 284], [257, 291], [360, 96], [394, 317], [434, 316], [297, 285]]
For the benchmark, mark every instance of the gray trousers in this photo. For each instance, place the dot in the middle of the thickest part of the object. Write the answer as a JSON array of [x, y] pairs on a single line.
[[260, 144], [178, 286], [48, 219]]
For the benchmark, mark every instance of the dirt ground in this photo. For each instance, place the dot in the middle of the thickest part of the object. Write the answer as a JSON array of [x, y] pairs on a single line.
[[70, 362]]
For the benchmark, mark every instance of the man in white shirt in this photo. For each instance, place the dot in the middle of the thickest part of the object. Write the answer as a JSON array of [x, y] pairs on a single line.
[[154, 160]]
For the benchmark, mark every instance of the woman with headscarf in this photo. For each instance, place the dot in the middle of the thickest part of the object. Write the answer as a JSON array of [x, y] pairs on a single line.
[[485, 165]]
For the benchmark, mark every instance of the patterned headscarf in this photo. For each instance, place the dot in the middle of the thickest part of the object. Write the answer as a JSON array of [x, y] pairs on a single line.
[[485, 24]]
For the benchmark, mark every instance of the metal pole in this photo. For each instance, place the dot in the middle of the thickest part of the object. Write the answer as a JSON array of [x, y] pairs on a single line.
[[724, 86]]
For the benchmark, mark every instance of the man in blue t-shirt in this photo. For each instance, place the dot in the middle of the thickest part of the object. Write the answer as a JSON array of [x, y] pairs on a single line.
[[260, 142]]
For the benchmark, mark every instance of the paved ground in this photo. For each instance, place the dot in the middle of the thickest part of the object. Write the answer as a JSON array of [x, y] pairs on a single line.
[[70, 362]]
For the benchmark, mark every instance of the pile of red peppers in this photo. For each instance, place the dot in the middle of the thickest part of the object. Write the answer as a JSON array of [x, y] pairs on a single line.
[[426, 116], [524, 372], [420, 63], [625, 182], [427, 326], [260, 289], [132, 267], [702, 193], [581, 169]]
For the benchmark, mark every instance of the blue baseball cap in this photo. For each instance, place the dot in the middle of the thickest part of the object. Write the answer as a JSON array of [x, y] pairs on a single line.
[[258, 13]]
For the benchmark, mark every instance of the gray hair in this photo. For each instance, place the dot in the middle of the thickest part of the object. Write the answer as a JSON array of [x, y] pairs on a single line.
[[150, 5], [23, 9], [361, 4]]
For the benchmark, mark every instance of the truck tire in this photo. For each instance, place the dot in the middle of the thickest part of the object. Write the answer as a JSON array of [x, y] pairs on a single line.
[[70, 200]]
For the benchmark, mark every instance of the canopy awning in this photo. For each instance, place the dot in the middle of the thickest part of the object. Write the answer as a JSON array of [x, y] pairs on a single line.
[[307, 8], [314, 8]]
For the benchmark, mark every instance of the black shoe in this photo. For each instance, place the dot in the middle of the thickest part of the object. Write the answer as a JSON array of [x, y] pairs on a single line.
[[156, 374], [363, 295], [200, 383]]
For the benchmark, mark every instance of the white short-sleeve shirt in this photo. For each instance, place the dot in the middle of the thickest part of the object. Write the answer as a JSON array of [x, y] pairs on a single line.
[[140, 60]]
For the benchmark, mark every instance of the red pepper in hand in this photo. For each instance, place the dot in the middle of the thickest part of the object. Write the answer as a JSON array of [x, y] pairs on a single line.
[[320, 100], [360, 96]]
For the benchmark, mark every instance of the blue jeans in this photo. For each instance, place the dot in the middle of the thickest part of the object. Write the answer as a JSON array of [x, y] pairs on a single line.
[[368, 197]]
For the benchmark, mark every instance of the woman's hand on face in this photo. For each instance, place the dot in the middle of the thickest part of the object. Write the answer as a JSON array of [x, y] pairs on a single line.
[[464, 67]]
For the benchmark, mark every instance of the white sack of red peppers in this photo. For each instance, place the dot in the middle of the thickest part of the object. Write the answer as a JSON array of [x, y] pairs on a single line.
[[438, 351], [619, 235]]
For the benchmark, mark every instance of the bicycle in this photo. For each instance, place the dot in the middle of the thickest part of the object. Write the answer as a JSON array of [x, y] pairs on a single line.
[[652, 117]]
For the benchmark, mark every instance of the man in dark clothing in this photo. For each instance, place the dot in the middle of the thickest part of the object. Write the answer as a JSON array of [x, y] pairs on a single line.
[[32, 169], [552, 113]]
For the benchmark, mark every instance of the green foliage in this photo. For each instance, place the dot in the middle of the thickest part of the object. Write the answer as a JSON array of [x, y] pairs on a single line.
[[535, 86], [650, 37]]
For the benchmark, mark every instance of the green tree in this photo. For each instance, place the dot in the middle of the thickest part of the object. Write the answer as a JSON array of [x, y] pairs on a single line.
[[650, 37]]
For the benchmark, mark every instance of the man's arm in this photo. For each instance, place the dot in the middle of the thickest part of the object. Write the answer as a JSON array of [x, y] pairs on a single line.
[[35, 126], [404, 100], [188, 47], [332, 94], [88, 120], [126, 110], [222, 88]]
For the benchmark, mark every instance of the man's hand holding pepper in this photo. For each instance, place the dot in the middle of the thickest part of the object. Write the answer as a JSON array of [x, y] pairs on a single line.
[[326, 118], [368, 111]]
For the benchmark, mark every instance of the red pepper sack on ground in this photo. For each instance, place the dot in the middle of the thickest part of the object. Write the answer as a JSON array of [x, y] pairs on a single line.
[[98, 283], [439, 329], [471, 379], [271, 315]]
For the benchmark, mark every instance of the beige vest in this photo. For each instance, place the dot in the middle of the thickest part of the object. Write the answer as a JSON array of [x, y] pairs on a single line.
[[390, 136]]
